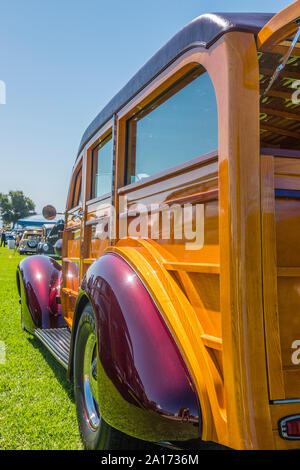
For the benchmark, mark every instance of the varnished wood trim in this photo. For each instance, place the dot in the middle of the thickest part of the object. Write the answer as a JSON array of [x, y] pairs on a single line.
[[212, 342], [274, 361], [89, 260], [207, 268], [197, 197], [70, 228], [283, 47], [105, 218], [182, 167], [202, 197], [279, 27], [71, 186], [70, 292], [241, 300], [74, 210], [96, 200], [290, 271]]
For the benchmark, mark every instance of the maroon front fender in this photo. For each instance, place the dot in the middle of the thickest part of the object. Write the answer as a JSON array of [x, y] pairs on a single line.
[[144, 386], [39, 285]]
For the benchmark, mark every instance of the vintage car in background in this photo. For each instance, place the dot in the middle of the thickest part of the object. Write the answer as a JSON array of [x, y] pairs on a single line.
[[176, 307], [46, 228], [29, 241], [50, 235]]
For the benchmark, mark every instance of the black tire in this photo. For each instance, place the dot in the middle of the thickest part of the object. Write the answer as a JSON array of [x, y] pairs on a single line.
[[94, 435], [112, 439]]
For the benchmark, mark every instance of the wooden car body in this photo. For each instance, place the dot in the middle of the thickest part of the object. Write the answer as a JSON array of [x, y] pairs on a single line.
[[225, 304]]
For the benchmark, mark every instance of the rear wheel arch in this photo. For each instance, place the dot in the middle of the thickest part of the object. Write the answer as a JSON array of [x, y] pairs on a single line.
[[38, 283], [162, 398]]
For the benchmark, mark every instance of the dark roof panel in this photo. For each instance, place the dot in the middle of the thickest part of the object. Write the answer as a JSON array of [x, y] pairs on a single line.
[[202, 31]]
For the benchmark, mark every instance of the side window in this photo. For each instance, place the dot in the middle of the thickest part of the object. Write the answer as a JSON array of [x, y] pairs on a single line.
[[76, 198], [102, 168], [179, 125]]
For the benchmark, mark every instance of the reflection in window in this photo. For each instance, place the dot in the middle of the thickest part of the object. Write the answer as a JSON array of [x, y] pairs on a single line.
[[179, 125], [76, 200], [102, 168]]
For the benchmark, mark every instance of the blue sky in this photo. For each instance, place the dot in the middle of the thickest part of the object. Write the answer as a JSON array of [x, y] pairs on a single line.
[[62, 61]]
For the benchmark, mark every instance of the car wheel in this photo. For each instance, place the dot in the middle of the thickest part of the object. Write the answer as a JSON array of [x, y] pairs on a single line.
[[94, 431]]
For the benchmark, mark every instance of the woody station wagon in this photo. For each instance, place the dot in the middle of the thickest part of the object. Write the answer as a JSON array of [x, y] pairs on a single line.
[[176, 310]]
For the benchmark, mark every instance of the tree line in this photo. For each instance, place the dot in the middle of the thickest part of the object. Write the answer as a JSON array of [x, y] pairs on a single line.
[[14, 206]]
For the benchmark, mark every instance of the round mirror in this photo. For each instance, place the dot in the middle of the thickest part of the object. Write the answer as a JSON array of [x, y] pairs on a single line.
[[49, 212]]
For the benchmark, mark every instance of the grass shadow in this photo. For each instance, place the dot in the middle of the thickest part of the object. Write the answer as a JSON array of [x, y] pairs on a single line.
[[59, 371]]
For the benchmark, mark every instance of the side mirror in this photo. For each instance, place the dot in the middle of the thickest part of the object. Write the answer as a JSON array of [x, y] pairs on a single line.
[[49, 212]]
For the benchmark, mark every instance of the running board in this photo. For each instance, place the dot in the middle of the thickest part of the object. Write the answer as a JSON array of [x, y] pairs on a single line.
[[57, 341]]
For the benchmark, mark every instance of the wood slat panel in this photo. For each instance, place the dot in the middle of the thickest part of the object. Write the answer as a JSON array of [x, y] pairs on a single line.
[[207, 268], [290, 271], [281, 410], [287, 220], [276, 383], [292, 383]]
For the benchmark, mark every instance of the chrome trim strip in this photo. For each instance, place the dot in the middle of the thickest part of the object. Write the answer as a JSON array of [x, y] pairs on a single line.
[[281, 402]]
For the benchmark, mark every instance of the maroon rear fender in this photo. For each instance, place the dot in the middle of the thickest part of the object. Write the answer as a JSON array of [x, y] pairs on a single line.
[[144, 385], [38, 279]]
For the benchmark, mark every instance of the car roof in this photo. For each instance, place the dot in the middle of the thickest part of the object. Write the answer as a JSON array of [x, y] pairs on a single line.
[[33, 230], [202, 31]]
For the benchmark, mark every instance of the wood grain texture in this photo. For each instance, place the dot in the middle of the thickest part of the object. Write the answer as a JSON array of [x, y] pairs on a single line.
[[240, 251], [279, 27], [276, 381]]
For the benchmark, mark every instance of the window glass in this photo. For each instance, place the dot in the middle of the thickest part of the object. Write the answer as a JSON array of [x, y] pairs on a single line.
[[76, 200], [102, 168], [179, 125]]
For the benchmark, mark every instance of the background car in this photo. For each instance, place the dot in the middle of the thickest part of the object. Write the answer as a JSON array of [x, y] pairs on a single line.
[[29, 241], [46, 229], [51, 235]]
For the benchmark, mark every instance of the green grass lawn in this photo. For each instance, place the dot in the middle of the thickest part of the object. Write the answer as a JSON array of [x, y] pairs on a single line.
[[37, 409]]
